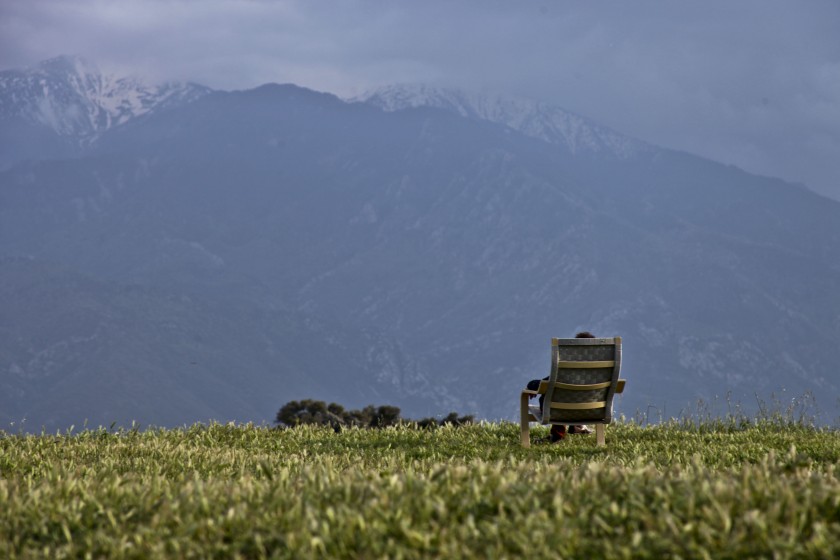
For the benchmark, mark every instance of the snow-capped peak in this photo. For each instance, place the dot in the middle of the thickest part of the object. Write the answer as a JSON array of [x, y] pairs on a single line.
[[532, 118], [72, 65], [71, 96]]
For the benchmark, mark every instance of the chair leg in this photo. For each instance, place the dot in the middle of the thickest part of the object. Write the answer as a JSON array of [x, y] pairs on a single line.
[[524, 422], [600, 432]]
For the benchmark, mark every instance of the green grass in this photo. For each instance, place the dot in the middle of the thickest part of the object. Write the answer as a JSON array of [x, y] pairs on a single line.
[[711, 490]]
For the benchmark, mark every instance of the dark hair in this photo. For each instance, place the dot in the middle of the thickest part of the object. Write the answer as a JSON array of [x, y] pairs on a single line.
[[584, 334]]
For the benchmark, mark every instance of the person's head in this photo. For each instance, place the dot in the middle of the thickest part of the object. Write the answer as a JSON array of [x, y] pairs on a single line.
[[584, 334]]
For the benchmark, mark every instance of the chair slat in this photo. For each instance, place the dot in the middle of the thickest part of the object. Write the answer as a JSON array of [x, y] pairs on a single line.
[[585, 365], [575, 387], [579, 406]]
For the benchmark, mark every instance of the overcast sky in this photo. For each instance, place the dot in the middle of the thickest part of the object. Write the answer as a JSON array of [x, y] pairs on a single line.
[[755, 83]]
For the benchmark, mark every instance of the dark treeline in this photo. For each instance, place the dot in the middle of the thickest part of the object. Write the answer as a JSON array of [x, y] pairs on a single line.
[[310, 411]]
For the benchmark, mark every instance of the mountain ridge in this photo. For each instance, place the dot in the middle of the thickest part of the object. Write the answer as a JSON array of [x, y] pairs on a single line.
[[60, 106], [460, 245], [547, 122]]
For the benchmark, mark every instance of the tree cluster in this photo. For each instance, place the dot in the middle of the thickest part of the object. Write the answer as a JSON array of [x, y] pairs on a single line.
[[310, 411]]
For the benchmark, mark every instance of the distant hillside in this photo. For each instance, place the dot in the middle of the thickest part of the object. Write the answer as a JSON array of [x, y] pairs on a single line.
[[440, 253], [82, 351]]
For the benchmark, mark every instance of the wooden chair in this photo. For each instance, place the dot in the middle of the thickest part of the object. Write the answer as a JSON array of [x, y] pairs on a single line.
[[580, 388]]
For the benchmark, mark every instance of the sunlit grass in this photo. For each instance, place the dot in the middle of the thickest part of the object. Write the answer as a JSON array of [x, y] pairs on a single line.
[[726, 490]]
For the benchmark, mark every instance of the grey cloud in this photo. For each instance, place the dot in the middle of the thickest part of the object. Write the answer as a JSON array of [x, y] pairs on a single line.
[[753, 83]]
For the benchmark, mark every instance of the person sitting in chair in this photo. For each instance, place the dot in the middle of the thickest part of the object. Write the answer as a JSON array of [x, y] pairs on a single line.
[[558, 431]]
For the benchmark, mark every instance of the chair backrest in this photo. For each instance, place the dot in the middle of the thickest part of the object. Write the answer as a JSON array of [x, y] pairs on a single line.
[[583, 380]]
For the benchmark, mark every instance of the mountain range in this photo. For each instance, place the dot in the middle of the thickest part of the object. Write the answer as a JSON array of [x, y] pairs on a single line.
[[180, 254]]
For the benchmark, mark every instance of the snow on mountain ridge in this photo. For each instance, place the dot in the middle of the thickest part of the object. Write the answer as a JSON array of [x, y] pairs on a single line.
[[72, 97], [532, 118]]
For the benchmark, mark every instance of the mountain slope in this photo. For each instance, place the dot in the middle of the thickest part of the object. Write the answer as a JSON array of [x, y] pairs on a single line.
[[461, 242], [77, 350]]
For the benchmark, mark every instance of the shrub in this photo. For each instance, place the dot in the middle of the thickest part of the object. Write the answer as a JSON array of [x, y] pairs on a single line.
[[309, 411]]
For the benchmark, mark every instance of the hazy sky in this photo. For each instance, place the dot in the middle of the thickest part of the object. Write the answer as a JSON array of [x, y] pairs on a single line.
[[755, 83]]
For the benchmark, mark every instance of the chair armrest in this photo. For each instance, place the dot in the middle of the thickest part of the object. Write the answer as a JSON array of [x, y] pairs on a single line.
[[529, 392]]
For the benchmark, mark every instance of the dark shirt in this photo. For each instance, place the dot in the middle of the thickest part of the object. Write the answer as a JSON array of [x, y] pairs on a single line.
[[534, 385]]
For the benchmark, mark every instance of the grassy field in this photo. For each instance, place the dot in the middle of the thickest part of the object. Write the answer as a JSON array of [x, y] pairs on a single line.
[[712, 490]]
